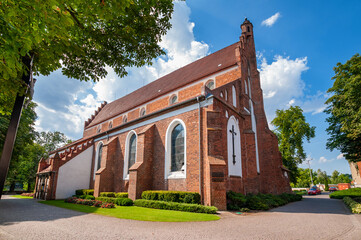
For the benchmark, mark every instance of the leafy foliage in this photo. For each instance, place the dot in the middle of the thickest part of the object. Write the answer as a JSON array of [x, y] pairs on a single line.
[[237, 201], [82, 37], [344, 108], [172, 196], [303, 179], [26, 152], [354, 206], [186, 207], [352, 192], [291, 130], [51, 140]]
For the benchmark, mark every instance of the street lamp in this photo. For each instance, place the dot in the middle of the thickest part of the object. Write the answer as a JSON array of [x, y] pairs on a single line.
[[309, 168]]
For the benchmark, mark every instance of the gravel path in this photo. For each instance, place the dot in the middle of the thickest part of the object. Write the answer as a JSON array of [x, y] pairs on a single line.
[[315, 217]]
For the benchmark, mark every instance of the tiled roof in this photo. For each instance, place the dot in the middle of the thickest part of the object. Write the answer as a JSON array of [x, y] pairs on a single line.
[[203, 67]]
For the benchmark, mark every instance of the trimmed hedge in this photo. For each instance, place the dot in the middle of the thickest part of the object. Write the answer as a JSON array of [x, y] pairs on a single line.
[[121, 195], [107, 194], [114, 194], [354, 206], [80, 192], [124, 202], [89, 202], [238, 201], [118, 201], [185, 207], [106, 199], [90, 197], [352, 192], [172, 196]]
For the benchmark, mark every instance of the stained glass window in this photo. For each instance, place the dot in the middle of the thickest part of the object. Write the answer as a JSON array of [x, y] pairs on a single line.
[[132, 150], [177, 148]]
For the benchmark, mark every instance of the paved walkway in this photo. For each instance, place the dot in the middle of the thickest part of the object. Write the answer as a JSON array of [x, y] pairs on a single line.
[[315, 217]]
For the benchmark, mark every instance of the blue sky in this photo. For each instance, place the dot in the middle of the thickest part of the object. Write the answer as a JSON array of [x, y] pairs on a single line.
[[297, 42]]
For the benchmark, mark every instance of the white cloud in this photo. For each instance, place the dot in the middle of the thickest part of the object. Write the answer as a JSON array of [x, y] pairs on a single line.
[[281, 83], [340, 156], [64, 104], [323, 160], [271, 20]]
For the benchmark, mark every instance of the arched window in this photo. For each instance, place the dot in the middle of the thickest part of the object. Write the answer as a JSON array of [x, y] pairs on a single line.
[[210, 84], [221, 94], [226, 95], [177, 149], [99, 129], [245, 87], [130, 154], [175, 152], [98, 158], [234, 99], [234, 148], [142, 112], [173, 99], [110, 125], [125, 119]]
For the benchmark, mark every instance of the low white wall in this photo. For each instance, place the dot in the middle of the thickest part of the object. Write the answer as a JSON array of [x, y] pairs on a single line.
[[74, 175]]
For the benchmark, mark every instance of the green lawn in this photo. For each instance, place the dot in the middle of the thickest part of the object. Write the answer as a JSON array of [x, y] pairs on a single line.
[[19, 196], [137, 213]]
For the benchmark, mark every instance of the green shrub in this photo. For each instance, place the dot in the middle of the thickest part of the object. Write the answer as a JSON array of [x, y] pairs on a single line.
[[172, 196], [354, 206], [185, 207], [244, 209], [107, 194], [106, 199], [121, 195], [80, 192], [237, 201], [352, 192], [254, 202], [90, 197], [124, 202]]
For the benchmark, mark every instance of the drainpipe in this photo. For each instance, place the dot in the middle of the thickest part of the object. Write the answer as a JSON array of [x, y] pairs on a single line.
[[200, 149]]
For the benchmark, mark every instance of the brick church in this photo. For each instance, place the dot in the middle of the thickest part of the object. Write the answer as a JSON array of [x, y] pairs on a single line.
[[201, 128]]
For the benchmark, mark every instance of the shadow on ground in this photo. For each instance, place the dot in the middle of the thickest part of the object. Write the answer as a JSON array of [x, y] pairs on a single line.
[[14, 210]]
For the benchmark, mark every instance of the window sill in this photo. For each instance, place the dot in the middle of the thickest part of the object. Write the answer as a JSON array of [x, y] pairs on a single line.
[[176, 175]]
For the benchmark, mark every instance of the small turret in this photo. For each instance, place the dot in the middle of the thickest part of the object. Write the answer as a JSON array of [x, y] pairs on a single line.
[[247, 27]]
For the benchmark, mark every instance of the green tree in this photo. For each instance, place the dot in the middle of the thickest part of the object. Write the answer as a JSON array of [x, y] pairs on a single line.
[[304, 178], [326, 185], [344, 108], [334, 176], [291, 130], [81, 36], [26, 136], [51, 140], [28, 164]]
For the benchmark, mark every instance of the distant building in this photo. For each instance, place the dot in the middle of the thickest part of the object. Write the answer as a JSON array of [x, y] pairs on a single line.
[[201, 128]]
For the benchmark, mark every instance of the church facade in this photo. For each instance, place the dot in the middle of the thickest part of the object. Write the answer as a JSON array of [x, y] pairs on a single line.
[[201, 128]]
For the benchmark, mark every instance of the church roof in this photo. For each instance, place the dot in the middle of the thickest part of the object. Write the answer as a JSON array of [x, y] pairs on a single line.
[[203, 67]]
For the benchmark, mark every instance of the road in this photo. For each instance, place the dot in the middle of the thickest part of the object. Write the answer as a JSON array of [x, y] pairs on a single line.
[[315, 217]]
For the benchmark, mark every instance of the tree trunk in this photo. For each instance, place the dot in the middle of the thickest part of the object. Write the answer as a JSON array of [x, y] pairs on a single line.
[[12, 187], [13, 126]]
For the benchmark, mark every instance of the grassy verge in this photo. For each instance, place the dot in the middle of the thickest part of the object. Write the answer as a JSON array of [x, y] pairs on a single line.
[[19, 196], [136, 213]]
